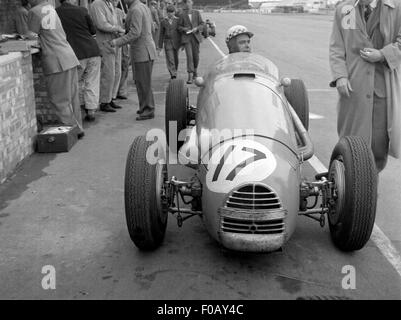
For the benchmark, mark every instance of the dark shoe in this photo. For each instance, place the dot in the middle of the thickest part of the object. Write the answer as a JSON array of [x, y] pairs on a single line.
[[139, 112], [106, 107], [121, 97], [190, 79], [81, 135], [90, 117], [115, 106], [146, 116], [195, 74]]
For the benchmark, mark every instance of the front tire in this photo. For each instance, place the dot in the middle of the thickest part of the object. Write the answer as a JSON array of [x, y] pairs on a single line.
[[297, 96], [176, 107], [145, 200], [352, 215]]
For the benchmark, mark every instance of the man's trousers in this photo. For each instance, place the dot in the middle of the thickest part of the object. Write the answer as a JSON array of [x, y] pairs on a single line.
[[192, 53], [89, 82], [107, 76], [143, 82], [125, 62], [117, 69], [63, 92], [172, 60]]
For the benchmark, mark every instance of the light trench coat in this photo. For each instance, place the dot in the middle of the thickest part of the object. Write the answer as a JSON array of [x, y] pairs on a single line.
[[348, 37]]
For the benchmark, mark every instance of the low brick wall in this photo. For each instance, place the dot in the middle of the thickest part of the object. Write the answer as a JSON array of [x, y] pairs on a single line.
[[18, 124], [44, 112]]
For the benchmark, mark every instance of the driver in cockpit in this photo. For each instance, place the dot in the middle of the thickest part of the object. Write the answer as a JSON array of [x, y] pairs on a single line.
[[238, 39]]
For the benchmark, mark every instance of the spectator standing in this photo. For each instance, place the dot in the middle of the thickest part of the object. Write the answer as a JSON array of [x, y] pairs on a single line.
[[120, 21], [190, 24], [365, 60], [170, 38], [105, 19], [59, 63], [143, 53], [80, 29]]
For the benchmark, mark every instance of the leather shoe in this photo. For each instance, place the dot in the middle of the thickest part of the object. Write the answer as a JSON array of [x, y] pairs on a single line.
[[106, 107], [115, 106], [121, 97], [146, 116], [90, 117], [81, 135], [190, 79], [139, 112]]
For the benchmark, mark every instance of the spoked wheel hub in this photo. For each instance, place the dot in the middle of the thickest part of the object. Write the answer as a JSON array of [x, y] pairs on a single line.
[[337, 177]]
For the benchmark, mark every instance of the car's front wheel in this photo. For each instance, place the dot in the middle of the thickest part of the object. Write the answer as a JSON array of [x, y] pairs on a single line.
[[146, 205], [353, 209]]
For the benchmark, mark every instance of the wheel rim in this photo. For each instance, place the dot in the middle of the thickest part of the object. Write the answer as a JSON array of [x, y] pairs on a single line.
[[337, 176], [161, 194]]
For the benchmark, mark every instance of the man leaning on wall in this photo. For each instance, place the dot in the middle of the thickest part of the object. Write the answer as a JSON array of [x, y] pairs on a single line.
[[79, 29], [59, 63]]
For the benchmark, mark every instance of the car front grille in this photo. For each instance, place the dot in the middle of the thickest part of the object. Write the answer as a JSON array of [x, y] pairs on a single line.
[[253, 197], [252, 226]]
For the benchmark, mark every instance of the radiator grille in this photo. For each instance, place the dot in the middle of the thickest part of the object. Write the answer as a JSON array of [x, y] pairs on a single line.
[[252, 226], [253, 197]]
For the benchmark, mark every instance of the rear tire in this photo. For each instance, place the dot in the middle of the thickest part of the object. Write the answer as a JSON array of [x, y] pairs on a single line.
[[353, 170], [145, 206], [176, 107], [297, 96]]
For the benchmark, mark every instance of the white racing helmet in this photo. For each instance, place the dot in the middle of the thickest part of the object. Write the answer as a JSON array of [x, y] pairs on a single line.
[[237, 30]]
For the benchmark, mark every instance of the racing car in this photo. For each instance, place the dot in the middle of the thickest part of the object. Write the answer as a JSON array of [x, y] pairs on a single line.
[[245, 141]]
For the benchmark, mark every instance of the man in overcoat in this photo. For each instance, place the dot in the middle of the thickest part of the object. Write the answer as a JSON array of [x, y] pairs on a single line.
[[143, 52], [365, 60]]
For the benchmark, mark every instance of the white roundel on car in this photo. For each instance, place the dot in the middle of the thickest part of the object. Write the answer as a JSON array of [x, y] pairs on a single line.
[[236, 162]]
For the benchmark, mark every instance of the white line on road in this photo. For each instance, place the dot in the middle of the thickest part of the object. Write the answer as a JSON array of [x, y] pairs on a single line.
[[217, 47], [378, 237]]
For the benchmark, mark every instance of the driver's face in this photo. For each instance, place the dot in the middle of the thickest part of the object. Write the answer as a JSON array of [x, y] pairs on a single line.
[[243, 43]]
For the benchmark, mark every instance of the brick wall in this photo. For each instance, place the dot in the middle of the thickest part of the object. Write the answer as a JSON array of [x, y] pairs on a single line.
[[18, 124], [44, 111]]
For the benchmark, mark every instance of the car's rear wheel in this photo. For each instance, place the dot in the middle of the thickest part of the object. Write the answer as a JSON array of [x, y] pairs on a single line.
[[176, 108], [297, 96], [146, 207], [352, 213]]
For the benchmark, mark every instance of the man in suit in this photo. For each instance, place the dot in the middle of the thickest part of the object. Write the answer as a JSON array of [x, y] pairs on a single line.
[[59, 63], [190, 24], [105, 19], [143, 53], [170, 38], [80, 29]]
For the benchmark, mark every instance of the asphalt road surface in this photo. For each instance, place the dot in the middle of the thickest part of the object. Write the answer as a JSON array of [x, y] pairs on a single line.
[[67, 210]]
